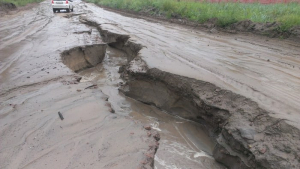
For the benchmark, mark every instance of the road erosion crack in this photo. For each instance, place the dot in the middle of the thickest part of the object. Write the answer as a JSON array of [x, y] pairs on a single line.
[[241, 140]]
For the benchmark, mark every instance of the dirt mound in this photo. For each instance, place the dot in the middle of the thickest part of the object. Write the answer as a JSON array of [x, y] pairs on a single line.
[[296, 31], [6, 7], [270, 28], [211, 23]]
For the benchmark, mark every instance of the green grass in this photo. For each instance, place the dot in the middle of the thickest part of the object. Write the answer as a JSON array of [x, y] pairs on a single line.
[[288, 15], [20, 2]]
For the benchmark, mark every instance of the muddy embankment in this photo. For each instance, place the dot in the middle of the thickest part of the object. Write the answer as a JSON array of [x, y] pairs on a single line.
[[269, 29], [246, 136]]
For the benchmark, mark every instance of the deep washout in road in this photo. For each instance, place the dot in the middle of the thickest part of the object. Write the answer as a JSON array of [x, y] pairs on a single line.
[[246, 136], [97, 131], [79, 58], [83, 57]]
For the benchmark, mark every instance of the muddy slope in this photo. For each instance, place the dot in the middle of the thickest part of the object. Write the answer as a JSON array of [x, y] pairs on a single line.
[[246, 135]]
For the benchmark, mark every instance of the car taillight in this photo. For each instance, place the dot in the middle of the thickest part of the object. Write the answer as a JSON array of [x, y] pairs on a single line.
[[67, 1], [52, 2]]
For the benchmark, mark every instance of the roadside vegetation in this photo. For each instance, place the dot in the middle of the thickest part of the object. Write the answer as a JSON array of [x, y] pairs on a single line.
[[287, 14], [20, 2]]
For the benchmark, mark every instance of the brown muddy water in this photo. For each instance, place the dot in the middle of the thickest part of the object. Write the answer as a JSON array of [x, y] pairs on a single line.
[[183, 144]]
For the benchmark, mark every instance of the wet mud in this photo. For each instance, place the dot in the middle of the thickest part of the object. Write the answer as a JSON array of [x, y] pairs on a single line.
[[37, 88], [246, 135], [132, 99], [80, 58], [182, 142]]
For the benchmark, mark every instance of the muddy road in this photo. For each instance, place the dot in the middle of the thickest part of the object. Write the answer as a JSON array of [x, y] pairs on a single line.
[[217, 100], [262, 69], [36, 85]]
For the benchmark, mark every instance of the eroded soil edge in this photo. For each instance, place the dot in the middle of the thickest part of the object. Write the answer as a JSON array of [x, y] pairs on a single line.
[[246, 135], [82, 57]]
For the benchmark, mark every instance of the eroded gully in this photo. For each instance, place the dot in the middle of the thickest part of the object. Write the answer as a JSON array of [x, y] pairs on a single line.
[[183, 143], [242, 87], [36, 83], [192, 87]]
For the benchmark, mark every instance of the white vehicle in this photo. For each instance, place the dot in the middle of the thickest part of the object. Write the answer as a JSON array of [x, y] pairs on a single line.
[[58, 5]]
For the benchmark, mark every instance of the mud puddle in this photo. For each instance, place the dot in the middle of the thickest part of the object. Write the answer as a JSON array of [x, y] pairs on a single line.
[[183, 144]]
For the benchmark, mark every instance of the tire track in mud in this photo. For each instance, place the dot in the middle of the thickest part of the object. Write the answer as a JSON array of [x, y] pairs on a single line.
[[10, 91], [35, 24]]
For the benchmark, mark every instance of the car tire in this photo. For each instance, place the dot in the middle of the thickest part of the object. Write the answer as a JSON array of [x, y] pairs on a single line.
[[68, 10], [54, 10]]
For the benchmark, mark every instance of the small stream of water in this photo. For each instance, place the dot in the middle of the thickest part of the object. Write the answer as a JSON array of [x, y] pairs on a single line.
[[183, 144]]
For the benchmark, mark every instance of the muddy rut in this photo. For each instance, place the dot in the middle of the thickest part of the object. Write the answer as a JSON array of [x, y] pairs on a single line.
[[127, 86]]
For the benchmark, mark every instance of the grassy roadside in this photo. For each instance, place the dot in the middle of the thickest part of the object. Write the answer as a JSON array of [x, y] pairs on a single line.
[[288, 15], [20, 2]]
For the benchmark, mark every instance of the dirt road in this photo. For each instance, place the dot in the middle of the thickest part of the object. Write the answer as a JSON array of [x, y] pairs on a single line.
[[263, 69], [224, 93], [36, 85]]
